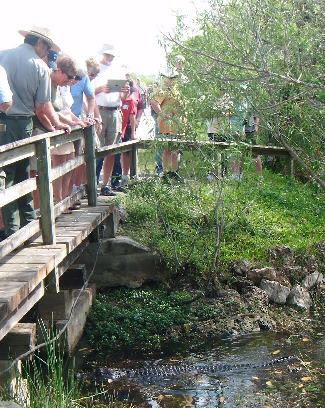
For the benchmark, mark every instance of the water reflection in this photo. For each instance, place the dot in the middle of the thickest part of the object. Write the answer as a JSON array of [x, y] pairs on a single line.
[[241, 388]]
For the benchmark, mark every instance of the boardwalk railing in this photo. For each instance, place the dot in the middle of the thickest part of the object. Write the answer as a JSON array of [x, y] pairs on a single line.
[[40, 146]]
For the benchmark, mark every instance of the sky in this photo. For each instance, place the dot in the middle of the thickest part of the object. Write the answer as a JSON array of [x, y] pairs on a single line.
[[81, 27]]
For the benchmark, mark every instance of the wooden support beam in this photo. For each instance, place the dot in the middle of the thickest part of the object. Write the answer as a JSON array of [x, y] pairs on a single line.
[[78, 319], [46, 191], [134, 161], [74, 277], [90, 145], [53, 280], [18, 341], [18, 190]]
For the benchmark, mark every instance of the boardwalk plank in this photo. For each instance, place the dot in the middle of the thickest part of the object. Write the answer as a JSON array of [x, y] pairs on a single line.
[[23, 271], [48, 261], [13, 318], [32, 277], [13, 293]]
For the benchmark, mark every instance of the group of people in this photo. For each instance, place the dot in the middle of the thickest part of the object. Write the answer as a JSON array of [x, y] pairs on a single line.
[[42, 90]]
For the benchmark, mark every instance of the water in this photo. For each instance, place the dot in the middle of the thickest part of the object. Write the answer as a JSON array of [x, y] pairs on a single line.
[[300, 384]]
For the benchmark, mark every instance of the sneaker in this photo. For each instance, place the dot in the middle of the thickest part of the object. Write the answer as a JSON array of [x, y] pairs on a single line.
[[123, 184], [106, 191]]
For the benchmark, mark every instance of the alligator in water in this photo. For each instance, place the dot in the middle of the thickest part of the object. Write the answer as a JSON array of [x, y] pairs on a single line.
[[167, 371]]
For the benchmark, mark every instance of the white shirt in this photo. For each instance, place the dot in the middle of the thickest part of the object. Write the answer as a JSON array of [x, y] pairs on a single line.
[[5, 92], [111, 99]]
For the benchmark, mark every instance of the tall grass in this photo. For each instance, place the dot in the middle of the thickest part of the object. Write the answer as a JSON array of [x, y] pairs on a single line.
[[49, 381]]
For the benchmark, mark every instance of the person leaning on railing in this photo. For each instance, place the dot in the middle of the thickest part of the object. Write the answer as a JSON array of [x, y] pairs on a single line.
[[5, 104], [63, 74], [29, 80]]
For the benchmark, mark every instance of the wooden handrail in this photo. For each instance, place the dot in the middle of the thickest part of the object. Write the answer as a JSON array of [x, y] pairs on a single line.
[[18, 190], [41, 146], [67, 167]]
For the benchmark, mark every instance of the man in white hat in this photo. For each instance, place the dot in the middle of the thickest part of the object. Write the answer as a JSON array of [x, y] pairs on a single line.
[[29, 80], [109, 106]]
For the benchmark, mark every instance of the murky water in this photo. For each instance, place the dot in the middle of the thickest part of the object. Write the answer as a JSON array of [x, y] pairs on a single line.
[[300, 384]]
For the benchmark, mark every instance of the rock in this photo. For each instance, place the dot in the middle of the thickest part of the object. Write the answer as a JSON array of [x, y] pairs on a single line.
[[122, 262], [312, 264], [242, 285], [266, 323], [313, 279], [294, 273], [299, 297], [245, 324], [256, 275], [122, 214], [122, 245], [241, 267], [276, 292], [320, 251], [281, 256]]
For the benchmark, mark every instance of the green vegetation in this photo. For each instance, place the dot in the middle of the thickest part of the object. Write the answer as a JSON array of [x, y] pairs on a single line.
[[267, 55], [146, 320], [181, 221]]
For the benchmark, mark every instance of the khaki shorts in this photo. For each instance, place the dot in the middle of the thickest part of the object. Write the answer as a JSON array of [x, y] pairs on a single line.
[[112, 127]]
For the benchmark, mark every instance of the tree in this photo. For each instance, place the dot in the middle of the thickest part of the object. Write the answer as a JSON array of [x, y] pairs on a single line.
[[269, 52]]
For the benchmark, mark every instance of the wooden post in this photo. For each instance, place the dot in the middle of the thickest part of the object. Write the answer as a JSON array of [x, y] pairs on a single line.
[[45, 189], [134, 161], [91, 165]]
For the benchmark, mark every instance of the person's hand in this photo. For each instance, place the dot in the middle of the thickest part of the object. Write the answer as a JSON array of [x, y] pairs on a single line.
[[133, 136], [103, 88], [63, 126]]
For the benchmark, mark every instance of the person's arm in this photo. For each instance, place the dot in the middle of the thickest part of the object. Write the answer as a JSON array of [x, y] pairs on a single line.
[[155, 106], [49, 118], [133, 125], [70, 119], [5, 106], [5, 92], [102, 88], [140, 109]]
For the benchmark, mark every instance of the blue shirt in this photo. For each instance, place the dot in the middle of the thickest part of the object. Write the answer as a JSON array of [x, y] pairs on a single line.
[[77, 91]]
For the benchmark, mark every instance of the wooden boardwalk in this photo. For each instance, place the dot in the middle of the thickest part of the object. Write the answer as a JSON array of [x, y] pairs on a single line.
[[26, 272], [30, 268]]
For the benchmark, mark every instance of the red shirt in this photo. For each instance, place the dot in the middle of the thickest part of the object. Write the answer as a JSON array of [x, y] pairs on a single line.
[[129, 107]]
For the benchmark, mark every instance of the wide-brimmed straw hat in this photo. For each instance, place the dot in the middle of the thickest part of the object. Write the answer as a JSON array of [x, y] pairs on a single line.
[[108, 49], [43, 33]]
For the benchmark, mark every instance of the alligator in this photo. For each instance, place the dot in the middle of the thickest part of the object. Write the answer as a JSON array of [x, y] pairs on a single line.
[[167, 371]]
